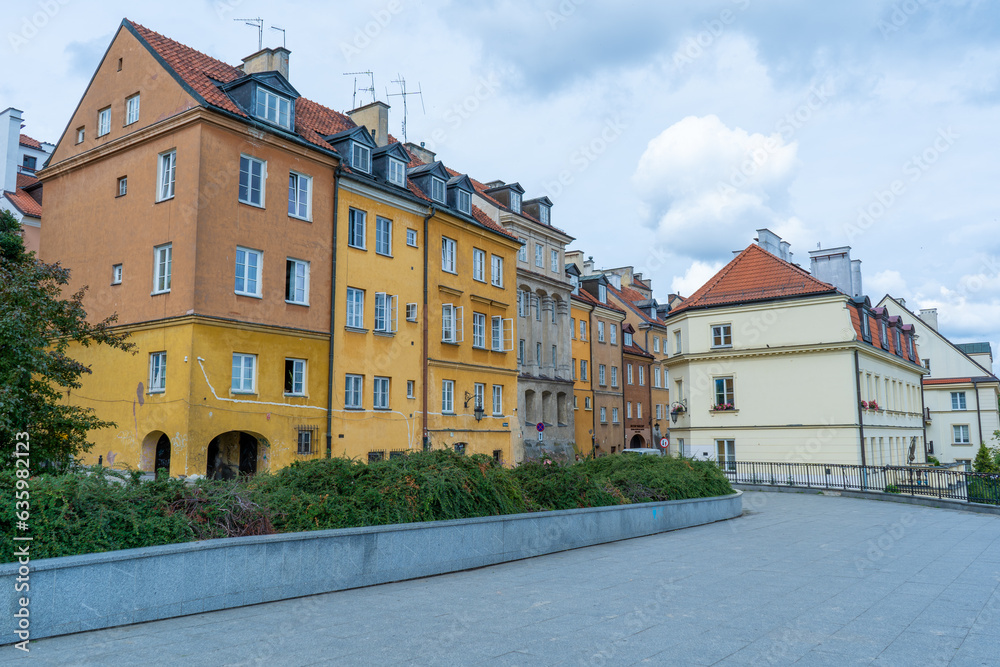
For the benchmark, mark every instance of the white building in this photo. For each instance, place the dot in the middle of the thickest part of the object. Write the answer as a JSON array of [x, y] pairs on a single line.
[[961, 393], [770, 363], [20, 157]]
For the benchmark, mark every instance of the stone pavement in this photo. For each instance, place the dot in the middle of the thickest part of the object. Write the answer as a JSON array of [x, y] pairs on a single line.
[[798, 579]]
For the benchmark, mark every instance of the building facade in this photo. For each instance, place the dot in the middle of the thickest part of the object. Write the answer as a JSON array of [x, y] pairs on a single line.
[[637, 364], [20, 190]]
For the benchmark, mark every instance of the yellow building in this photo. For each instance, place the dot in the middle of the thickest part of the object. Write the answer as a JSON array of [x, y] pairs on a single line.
[[581, 310], [276, 263]]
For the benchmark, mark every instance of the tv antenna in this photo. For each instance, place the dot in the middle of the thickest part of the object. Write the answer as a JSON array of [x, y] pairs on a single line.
[[369, 89], [401, 82], [282, 31], [259, 24]]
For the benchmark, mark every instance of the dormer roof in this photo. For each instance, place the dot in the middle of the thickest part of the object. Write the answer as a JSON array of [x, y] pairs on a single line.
[[435, 168]]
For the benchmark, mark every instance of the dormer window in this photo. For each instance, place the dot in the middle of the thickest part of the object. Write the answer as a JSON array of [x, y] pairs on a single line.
[[883, 334], [437, 189], [628, 339], [896, 342], [515, 201], [465, 202], [909, 348], [397, 172], [273, 108], [543, 214], [866, 329], [602, 293], [361, 158]]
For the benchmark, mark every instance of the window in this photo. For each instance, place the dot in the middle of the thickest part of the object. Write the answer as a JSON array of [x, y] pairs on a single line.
[[866, 329], [411, 238], [677, 342], [297, 282], [162, 261], [961, 433], [356, 228], [498, 345], [299, 196], [295, 377], [376, 456], [448, 396], [386, 318], [252, 177], [587, 404], [157, 372], [397, 172], [659, 411], [116, 274], [722, 335], [478, 265], [626, 339], [638, 410], [628, 373], [103, 121], [543, 214], [464, 201], [927, 364], [132, 110], [600, 331], [244, 366], [248, 263], [883, 334], [478, 330], [614, 334], [273, 108], [602, 293], [909, 348], [522, 252], [554, 260], [539, 254], [355, 309], [958, 400], [520, 351], [583, 369], [724, 397], [574, 367], [166, 169], [123, 186], [411, 312], [554, 353], [451, 324], [352, 391], [497, 400], [614, 415], [437, 189], [383, 236], [601, 375], [583, 330], [656, 343], [80, 132], [576, 402], [304, 442], [538, 353], [614, 376], [522, 303], [538, 309], [572, 328], [896, 342], [447, 254], [726, 453], [410, 389], [496, 271], [515, 202], [380, 400], [642, 375], [604, 415], [656, 376]]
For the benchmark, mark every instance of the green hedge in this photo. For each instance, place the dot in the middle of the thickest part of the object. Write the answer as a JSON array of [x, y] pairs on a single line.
[[82, 512]]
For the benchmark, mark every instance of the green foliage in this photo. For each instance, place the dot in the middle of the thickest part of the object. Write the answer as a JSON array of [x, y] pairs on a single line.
[[985, 461], [548, 486], [984, 490], [651, 478], [37, 326], [933, 460], [892, 488]]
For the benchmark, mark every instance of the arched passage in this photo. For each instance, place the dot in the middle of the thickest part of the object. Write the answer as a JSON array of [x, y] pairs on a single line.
[[162, 461], [637, 442], [232, 453], [155, 452]]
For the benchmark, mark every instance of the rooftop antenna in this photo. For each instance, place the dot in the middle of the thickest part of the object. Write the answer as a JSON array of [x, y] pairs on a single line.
[[259, 24], [401, 82], [282, 31], [369, 89]]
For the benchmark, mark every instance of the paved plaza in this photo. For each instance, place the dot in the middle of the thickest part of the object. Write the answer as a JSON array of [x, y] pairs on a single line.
[[798, 579]]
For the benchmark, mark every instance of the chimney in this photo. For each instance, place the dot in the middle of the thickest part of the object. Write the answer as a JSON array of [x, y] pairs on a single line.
[[834, 266], [785, 255], [268, 60], [929, 316], [902, 302], [10, 147], [769, 241], [421, 153], [375, 117], [588, 266]]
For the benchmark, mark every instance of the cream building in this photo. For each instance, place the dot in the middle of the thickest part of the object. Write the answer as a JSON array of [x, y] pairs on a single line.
[[770, 363], [961, 393]]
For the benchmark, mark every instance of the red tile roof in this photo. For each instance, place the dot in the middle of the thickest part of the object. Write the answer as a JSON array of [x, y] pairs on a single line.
[[628, 297], [24, 203], [933, 381], [587, 297], [30, 143], [876, 338], [754, 275], [24, 180]]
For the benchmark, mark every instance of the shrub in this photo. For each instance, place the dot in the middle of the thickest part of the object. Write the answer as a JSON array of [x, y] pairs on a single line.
[[984, 490], [651, 478]]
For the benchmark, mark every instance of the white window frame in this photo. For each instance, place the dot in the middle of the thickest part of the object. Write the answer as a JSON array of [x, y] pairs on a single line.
[[515, 201], [361, 157], [299, 196], [411, 312], [166, 175], [132, 109], [628, 409], [543, 214], [479, 330], [602, 293], [411, 238], [296, 281], [628, 373], [627, 339], [479, 265], [116, 274], [677, 342], [479, 395], [613, 334], [386, 313], [642, 375], [81, 133], [614, 416], [583, 330], [411, 389], [498, 400], [496, 270], [448, 247], [354, 386], [383, 236], [604, 414], [247, 362], [464, 200], [727, 394], [438, 190], [157, 373], [961, 434], [251, 286], [496, 334], [298, 377], [452, 325], [958, 401], [123, 186], [600, 331], [521, 347], [602, 375], [725, 452], [583, 369], [250, 162], [554, 260], [103, 122], [539, 255], [722, 335], [448, 397], [397, 172], [281, 108], [656, 377], [656, 343], [357, 223], [522, 252], [163, 260], [355, 309], [614, 376], [380, 392]]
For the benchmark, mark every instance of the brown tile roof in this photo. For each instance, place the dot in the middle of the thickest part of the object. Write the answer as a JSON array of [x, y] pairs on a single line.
[[587, 297], [754, 275], [24, 203], [873, 316], [30, 143], [24, 180], [985, 378], [629, 296]]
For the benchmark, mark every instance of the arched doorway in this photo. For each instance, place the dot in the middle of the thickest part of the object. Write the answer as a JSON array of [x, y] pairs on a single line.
[[231, 454], [162, 457], [637, 442]]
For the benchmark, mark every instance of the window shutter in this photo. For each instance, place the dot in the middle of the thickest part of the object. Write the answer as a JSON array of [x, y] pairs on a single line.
[[459, 324]]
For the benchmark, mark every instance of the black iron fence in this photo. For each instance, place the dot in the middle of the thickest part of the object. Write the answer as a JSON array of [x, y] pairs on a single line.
[[943, 482]]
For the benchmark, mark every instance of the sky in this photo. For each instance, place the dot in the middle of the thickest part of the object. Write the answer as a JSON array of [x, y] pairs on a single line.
[[665, 133]]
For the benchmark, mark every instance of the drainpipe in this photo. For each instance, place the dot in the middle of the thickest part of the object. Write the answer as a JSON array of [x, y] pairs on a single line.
[[979, 415], [861, 416], [426, 444], [333, 312]]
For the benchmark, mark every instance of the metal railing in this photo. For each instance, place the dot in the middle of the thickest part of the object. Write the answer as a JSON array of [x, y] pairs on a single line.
[[935, 482]]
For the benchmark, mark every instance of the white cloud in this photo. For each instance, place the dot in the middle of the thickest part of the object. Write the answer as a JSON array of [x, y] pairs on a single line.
[[889, 282], [696, 275]]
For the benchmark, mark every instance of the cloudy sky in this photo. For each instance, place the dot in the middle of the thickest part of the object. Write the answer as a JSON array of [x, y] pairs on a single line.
[[666, 133]]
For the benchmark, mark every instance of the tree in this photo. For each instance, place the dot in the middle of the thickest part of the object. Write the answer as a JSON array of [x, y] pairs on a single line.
[[37, 327], [984, 460]]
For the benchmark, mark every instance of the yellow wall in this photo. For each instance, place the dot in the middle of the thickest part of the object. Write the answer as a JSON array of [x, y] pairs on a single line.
[[583, 390]]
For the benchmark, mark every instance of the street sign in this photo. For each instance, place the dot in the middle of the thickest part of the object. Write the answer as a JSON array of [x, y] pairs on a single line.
[[664, 442], [540, 426]]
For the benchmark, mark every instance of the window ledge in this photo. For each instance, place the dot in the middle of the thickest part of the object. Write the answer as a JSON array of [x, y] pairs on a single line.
[[160, 201], [722, 347], [153, 392], [448, 342], [166, 291], [353, 409], [355, 330], [247, 294], [383, 254], [382, 409], [386, 334], [724, 412], [287, 395], [297, 303], [299, 217], [235, 392]]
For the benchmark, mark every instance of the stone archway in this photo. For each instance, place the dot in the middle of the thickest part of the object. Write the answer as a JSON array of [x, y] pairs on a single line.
[[151, 452], [233, 453], [162, 455], [637, 442]]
